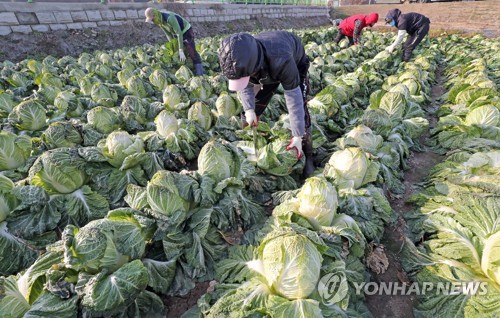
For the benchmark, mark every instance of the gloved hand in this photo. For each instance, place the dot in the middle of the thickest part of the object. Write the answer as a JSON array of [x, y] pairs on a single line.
[[390, 48], [296, 142], [251, 117], [182, 57]]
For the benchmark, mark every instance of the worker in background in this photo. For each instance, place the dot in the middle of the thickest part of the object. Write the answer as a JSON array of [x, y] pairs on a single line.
[[414, 24], [336, 22], [256, 66], [177, 27], [330, 9], [353, 25]]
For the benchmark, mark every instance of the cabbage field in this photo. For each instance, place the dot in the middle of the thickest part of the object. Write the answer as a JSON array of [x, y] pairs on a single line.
[[125, 180]]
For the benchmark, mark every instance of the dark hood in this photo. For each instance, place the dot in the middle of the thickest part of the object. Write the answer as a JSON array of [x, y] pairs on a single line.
[[240, 55], [393, 15]]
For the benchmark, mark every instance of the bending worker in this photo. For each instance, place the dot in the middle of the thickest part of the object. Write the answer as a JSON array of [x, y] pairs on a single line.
[[176, 26], [352, 27], [414, 24], [256, 66]]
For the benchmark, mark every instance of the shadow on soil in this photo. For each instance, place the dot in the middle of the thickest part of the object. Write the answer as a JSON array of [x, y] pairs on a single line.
[[420, 163]]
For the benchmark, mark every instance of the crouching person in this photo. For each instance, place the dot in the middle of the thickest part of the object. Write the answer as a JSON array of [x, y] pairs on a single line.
[[414, 24], [177, 27], [256, 66]]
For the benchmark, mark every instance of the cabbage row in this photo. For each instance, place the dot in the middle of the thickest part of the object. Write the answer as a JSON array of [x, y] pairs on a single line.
[[124, 178], [454, 234], [113, 130], [327, 226]]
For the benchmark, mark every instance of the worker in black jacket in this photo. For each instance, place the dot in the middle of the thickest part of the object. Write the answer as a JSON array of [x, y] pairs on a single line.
[[414, 24], [256, 66]]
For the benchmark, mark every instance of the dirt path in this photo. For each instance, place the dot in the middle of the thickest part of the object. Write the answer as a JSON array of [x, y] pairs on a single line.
[[178, 305], [452, 16], [16, 46], [385, 306]]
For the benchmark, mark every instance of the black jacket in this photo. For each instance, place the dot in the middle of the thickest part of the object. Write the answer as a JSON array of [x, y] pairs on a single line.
[[410, 21], [269, 57]]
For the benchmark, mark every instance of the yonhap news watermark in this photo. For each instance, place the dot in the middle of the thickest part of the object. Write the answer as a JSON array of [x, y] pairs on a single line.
[[418, 289], [333, 288]]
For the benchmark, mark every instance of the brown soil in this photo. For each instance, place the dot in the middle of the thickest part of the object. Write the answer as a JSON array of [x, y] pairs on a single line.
[[462, 17], [420, 163], [176, 306], [16, 46]]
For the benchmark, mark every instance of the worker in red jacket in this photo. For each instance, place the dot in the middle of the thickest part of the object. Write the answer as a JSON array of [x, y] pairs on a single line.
[[352, 26]]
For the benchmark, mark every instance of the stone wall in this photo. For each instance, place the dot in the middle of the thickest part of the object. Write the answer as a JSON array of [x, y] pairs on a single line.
[[43, 17]]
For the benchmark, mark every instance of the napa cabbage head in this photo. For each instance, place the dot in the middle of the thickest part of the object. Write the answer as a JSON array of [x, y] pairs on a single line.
[[28, 115], [379, 121], [136, 86], [134, 111], [290, 264], [483, 162], [363, 137], [200, 88], [163, 194], [173, 96], [200, 113], [14, 150], [415, 127], [104, 119], [166, 124], [483, 116], [219, 161], [275, 159], [103, 244], [61, 134], [67, 102], [183, 74], [401, 89], [7, 103], [103, 95], [7, 199], [351, 168], [49, 87], [394, 103], [327, 101], [58, 171], [227, 106], [413, 86], [119, 145], [159, 79], [318, 201]]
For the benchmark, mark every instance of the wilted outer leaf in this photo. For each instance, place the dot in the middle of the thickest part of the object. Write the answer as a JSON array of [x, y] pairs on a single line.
[[109, 292]]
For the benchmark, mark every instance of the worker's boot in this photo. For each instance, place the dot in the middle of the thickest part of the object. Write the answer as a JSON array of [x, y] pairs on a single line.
[[307, 147], [198, 69]]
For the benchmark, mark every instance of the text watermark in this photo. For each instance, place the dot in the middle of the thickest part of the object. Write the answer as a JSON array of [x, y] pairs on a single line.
[[333, 288], [425, 288]]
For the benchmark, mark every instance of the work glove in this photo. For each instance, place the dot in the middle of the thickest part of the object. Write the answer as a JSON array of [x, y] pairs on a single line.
[[182, 57], [296, 142], [390, 48], [251, 118]]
